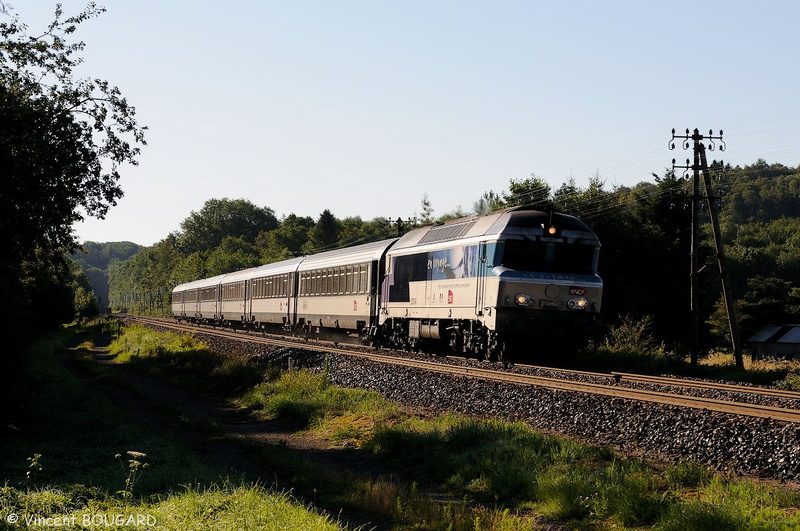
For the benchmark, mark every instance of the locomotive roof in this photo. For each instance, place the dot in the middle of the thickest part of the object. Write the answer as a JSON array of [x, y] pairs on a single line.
[[347, 256], [517, 221]]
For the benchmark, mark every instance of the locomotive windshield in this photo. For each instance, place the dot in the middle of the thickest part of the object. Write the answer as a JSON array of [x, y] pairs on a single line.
[[527, 255]]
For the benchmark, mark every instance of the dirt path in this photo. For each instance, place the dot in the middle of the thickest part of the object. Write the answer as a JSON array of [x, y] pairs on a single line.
[[217, 433]]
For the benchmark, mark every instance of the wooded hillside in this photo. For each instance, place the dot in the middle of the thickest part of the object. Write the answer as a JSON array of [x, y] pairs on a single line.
[[644, 260]]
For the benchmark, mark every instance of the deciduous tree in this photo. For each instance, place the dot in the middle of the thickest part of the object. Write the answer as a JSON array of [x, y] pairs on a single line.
[[62, 142]]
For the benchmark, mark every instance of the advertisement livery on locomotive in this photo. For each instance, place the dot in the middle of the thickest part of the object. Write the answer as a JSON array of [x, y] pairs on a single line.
[[505, 285]]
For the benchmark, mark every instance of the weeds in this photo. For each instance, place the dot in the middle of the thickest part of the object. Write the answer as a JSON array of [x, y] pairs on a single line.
[[134, 469]]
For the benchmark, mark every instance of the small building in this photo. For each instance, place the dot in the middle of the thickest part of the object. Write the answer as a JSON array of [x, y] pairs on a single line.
[[777, 341]]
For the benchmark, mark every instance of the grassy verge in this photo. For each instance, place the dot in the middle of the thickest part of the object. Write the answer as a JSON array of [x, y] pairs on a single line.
[[629, 347], [493, 475], [78, 462]]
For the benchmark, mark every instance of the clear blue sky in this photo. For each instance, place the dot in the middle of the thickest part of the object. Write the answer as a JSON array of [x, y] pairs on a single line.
[[363, 107]]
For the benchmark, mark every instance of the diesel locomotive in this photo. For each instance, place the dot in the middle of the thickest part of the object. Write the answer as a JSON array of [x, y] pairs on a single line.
[[503, 286]]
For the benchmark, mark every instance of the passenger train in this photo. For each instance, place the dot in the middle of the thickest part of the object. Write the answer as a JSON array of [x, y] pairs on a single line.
[[502, 286]]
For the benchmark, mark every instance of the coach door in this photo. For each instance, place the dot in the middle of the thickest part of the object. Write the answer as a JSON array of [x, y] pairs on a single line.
[[292, 291], [480, 280]]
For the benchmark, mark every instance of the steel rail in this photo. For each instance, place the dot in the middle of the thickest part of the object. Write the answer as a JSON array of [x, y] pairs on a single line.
[[675, 382], [680, 382], [611, 390]]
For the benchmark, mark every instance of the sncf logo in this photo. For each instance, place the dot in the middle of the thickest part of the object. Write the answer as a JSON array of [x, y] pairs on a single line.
[[574, 290]]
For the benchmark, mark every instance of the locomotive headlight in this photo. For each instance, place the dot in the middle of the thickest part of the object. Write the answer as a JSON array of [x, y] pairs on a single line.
[[578, 304], [523, 300]]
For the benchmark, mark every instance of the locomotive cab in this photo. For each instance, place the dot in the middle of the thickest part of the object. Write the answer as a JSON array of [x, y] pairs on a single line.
[[488, 285]]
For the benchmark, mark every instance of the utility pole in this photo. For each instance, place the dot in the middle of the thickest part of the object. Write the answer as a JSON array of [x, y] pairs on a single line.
[[727, 294], [402, 225], [701, 165]]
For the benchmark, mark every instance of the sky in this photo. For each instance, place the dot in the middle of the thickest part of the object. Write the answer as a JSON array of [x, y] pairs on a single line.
[[366, 107]]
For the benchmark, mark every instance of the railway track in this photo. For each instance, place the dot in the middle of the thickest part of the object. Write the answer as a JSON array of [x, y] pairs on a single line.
[[665, 396]]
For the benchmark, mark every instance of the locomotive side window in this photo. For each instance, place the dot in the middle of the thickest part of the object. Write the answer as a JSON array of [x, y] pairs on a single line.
[[410, 268]]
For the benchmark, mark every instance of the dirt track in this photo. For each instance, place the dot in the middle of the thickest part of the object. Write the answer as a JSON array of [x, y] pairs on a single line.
[[217, 433]]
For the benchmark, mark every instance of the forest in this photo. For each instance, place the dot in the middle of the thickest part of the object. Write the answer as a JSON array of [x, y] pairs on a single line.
[[644, 230]]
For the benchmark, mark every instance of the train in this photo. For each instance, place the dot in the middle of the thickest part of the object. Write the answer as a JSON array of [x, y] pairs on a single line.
[[503, 286]]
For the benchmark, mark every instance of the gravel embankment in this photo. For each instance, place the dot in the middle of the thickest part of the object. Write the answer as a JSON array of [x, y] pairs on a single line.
[[746, 445]]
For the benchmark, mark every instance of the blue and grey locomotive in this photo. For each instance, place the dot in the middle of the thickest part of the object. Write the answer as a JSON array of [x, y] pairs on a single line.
[[500, 286]]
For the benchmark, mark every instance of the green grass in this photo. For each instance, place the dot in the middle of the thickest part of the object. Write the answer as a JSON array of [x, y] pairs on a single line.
[[196, 507], [303, 399], [72, 458], [493, 474], [502, 471], [186, 360]]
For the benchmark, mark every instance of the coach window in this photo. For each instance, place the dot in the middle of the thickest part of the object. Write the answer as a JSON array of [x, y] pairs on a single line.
[[362, 278]]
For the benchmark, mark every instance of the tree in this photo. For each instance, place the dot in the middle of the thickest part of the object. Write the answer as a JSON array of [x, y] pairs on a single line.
[[95, 259], [222, 218], [488, 202], [232, 255], [63, 139], [426, 217], [768, 300], [355, 231], [85, 301], [325, 234], [62, 142], [285, 241], [533, 191]]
